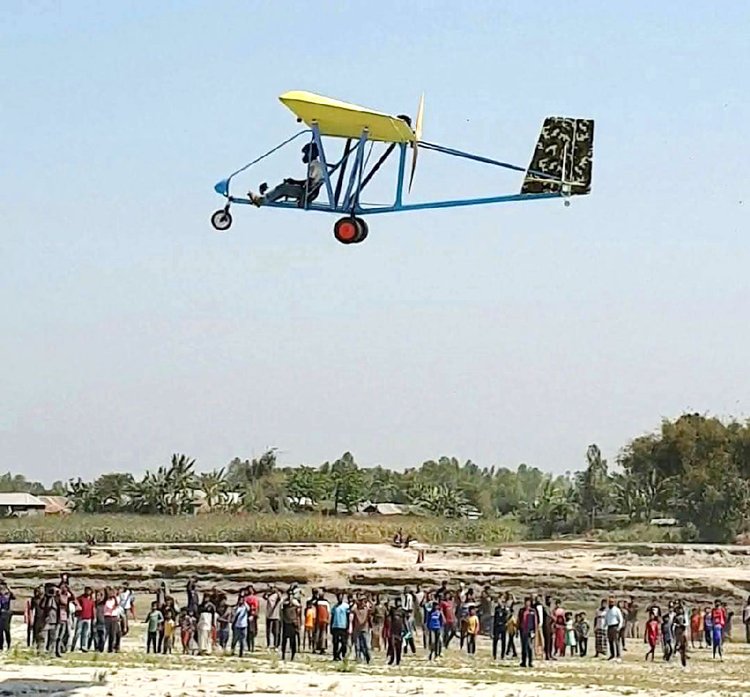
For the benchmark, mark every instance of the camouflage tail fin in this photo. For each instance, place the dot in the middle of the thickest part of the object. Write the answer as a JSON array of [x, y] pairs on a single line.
[[563, 158]]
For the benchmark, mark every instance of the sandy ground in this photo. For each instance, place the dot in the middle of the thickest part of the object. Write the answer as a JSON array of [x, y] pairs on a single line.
[[579, 571], [133, 673]]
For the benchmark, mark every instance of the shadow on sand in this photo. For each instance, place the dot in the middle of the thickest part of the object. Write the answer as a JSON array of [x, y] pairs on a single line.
[[19, 687]]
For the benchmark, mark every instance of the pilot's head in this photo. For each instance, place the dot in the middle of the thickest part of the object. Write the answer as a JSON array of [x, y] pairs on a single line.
[[309, 152]]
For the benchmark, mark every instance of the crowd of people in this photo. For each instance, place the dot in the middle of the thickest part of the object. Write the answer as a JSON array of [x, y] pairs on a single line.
[[361, 624]]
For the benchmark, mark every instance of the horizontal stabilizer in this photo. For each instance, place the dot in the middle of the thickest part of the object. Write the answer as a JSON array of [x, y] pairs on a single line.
[[563, 158]]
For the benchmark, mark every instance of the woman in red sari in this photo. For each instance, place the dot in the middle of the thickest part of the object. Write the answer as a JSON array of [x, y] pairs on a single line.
[[559, 619]]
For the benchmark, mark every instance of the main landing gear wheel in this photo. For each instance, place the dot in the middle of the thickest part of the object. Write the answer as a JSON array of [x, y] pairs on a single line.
[[222, 220], [350, 230]]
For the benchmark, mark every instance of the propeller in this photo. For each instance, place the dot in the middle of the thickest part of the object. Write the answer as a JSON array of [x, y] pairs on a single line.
[[417, 138]]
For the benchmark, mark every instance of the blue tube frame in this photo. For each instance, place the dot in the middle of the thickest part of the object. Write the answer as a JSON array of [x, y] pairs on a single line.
[[350, 204]]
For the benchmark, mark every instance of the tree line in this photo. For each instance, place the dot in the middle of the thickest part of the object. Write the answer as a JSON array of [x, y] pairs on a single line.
[[695, 469]]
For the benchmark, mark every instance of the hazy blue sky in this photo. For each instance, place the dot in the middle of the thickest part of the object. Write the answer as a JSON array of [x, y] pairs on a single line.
[[507, 334]]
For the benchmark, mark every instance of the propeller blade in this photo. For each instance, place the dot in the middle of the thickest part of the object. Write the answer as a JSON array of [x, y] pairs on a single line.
[[417, 138]]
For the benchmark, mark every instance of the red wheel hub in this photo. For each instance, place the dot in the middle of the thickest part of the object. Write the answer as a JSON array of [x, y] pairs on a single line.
[[347, 231]]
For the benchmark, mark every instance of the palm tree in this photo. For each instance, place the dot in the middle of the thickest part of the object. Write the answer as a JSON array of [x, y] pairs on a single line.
[[181, 485], [215, 488], [441, 500]]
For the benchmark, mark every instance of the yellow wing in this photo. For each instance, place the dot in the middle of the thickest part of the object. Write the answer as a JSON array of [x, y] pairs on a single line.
[[344, 120]]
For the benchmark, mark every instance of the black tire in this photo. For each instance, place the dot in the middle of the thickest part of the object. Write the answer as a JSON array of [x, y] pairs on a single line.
[[363, 230], [221, 220], [346, 230]]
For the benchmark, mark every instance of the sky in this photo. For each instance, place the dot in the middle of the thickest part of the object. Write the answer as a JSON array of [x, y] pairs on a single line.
[[501, 334]]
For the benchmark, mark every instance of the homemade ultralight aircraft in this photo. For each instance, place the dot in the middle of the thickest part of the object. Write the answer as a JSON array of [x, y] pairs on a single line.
[[561, 165]]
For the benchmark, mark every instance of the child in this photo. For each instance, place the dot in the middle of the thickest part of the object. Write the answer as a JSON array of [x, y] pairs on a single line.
[[187, 627], [708, 626], [570, 634], [435, 622], [696, 628], [472, 629], [511, 628], [583, 634], [309, 635], [651, 636], [169, 625], [153, 620]]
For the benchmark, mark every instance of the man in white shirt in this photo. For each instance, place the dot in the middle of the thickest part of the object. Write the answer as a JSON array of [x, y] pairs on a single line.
[[126, 600], [303, 190], [614, 622]]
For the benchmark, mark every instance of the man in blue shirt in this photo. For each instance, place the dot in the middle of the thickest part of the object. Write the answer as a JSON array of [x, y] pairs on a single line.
[[339, 627]]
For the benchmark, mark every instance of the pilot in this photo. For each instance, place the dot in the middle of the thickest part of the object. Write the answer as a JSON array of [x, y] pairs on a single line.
[[295, 188]]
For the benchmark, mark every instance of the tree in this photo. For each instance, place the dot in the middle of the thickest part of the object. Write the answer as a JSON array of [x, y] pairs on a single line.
[[548, 513], [441, 500], [214, 487], [346, 483], [305, 487], [593, 486]]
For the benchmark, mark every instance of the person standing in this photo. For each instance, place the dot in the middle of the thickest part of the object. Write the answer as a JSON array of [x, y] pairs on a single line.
[[600, 630], [63, 616], [625, 620], [273, 618], [6, 612], [708, 626], [205, 626], [308, 638], [239, 626], [339, 627], [100, 624], [559, 620], [613, 621], [546, 628], [718, 622], [528, 624], [30, 609], [322, 622], [397, 629], [85, 621], [127, 603], [167, 634], [696, 628], [449, 618], [50, 608], [652, 636], [360, 629], [435, 623], [499, 628], [191, 596], [472, 630], [153, 620], [583, 634], [253, 610], [290, 624]]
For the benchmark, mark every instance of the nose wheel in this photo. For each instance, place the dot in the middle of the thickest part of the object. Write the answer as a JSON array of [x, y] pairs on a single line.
[[222, 219], [351, 230]]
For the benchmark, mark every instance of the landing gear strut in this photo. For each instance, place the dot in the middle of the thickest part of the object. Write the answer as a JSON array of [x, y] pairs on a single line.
[[351, 230]]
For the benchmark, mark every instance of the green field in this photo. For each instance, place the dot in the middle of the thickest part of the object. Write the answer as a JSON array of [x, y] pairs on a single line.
[[267, 527], [252, 527]]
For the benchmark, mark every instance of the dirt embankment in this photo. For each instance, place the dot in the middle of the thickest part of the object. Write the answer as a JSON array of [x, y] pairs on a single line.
[[577, 571]]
